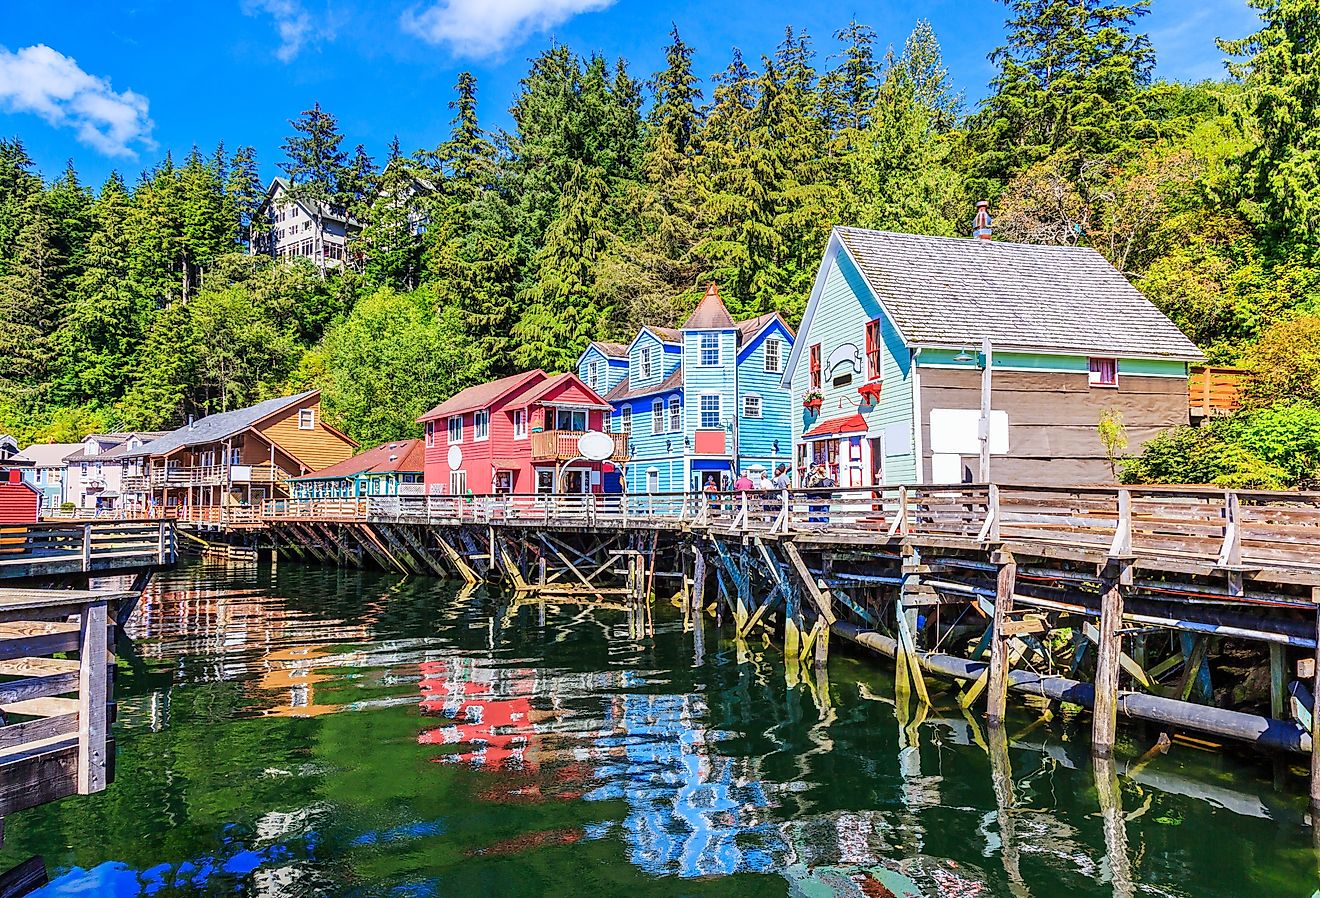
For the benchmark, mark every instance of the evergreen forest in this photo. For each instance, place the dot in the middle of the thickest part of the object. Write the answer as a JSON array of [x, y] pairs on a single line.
[[615, 196]]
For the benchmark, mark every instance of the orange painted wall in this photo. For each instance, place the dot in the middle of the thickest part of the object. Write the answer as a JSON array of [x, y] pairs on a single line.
[[316, 448]]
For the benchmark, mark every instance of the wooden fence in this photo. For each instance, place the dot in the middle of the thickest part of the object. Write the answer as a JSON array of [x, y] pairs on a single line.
[[53, 734], [1214, 391], [59, 548], [1224, 529]]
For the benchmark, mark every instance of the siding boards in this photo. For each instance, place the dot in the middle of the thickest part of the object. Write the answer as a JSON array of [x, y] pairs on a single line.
[[316, 448]]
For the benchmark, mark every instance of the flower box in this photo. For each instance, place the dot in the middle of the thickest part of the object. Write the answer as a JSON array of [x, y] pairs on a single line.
[[870, 392]]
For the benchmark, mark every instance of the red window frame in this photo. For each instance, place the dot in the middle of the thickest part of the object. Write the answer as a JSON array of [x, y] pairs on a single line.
[[815, 366], [874, 367], [1102, 372]]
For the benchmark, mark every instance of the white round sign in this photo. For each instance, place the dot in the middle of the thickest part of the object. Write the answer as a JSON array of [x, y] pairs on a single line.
[[455, 458], [595, 446]]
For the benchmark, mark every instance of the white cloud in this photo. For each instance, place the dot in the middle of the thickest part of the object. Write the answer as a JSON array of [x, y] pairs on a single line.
[[479, 28], [295, 25], [40, 80]]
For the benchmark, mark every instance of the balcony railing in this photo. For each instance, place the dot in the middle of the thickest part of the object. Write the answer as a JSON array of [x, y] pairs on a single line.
[[203, 475], [562, 445]]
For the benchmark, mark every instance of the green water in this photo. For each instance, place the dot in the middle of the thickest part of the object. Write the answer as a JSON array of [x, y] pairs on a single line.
[[313, 732]]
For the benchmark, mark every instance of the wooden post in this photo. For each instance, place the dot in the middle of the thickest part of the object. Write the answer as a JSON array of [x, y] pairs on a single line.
[[996, 698], [87, 547], [984, 429], [698, 603], [1278, 680], [163, 552], [1110, 648], [1315, 721], [92, 696]]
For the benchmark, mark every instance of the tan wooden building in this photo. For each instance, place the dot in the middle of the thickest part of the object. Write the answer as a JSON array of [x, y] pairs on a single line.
[[225, 465]]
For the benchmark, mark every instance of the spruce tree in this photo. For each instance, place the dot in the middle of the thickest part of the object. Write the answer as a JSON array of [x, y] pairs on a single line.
[[246, 193]]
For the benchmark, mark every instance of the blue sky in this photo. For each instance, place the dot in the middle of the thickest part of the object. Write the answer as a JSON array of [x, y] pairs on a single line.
[[116, 85]]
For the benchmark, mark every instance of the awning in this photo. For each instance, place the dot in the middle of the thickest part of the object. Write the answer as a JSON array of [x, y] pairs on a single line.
[[505, 464], [711, 464], [836, 426]]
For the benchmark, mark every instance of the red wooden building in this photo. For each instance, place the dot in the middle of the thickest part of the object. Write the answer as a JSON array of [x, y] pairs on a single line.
[[19, 501], [518, 434]]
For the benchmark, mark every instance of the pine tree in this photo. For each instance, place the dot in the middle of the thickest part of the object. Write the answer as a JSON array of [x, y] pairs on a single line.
[[850, 88], [314, 163], [246, 193], [676, 94], [1282, 73], [30, 293], [209, 225], [17, 184], [932, 86], [1070, 77]]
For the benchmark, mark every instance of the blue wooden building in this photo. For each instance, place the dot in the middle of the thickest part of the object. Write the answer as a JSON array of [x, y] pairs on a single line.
[[390, 469], [697, 402]]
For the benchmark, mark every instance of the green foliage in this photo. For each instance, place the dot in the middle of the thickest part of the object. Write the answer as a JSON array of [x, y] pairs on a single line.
[[1284, 364], [388, 362], [1202, 454], [1113, 437]]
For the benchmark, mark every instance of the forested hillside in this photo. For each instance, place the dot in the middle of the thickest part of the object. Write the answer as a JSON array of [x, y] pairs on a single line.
[[618, 195]]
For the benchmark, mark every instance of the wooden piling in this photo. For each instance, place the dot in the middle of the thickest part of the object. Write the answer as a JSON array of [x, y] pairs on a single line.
[[1105, 720], [92, 695], [1315, 720], [996, 699]]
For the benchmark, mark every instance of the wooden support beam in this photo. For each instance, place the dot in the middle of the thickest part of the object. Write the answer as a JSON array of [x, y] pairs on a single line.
[[1278, 680], [1104, 723], [92, 694], [1315, 716], [996, 699]]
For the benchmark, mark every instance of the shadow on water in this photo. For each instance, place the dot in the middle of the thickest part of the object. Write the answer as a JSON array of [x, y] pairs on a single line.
[[308, 732]]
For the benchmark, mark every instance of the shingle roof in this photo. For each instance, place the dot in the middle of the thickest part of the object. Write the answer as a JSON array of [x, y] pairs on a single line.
[[750, 327], [49, 455], [710, 313], [220, 425], [956, 292], [483, 395], [622, 391], [611, 349], [387, 458], [668, 334], [538, 390]]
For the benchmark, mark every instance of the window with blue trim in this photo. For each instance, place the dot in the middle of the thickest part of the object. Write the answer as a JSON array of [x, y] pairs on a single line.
[[710, 350], [710, 410]]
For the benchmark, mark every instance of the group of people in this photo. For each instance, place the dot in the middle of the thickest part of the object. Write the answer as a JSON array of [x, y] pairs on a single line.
[[816, 477]]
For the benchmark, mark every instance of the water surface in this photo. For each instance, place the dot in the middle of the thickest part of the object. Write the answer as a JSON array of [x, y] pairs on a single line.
[[308, 732]]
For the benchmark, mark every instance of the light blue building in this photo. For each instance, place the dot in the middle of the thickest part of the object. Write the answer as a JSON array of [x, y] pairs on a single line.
[[698, 402]]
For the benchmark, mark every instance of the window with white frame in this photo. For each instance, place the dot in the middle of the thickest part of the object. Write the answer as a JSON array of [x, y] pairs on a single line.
[[593, 374], [647, 362], [710, 350], [520, 424], [653, 480], [751, 406], [710, 410], [1102, 372], [430, 433], [457, 483], [774, 362], [675, 414], [481, 425], [456, 429], [625, 419], [657, 416], [306, 419]]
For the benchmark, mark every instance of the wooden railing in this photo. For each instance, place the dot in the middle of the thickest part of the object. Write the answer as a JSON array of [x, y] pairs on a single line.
[[48, 548], [1214, 391], [562, 445], [1230, 530], [55, 721], [202, 475]]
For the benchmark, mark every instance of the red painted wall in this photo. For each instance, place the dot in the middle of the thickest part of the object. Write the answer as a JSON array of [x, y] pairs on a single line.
[[18, 501], [478, 456]]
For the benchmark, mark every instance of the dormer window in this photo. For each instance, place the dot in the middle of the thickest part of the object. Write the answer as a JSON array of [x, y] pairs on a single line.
[[593, 374], [648, 363]]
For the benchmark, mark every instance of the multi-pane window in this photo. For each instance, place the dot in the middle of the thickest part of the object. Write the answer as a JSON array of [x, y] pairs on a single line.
[[657, 416], [751, 406], [814, 366], [1102, 372], [648, 362], [570, 419], [873, 359], [625, 419], [774, 362], [593, 374], [710, 410], [457, 482], [306, 419], [430, 433], [456, 429], [481, 424], [675, 414], [519, 424], [710, 350]]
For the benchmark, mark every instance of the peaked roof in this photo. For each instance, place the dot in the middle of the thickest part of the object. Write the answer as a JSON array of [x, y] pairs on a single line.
[[387, 458], [540, 390], [610, 349], [49, 455], [710, 313], [484, 395], [221, 425], [623, 390], [956, 292]]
